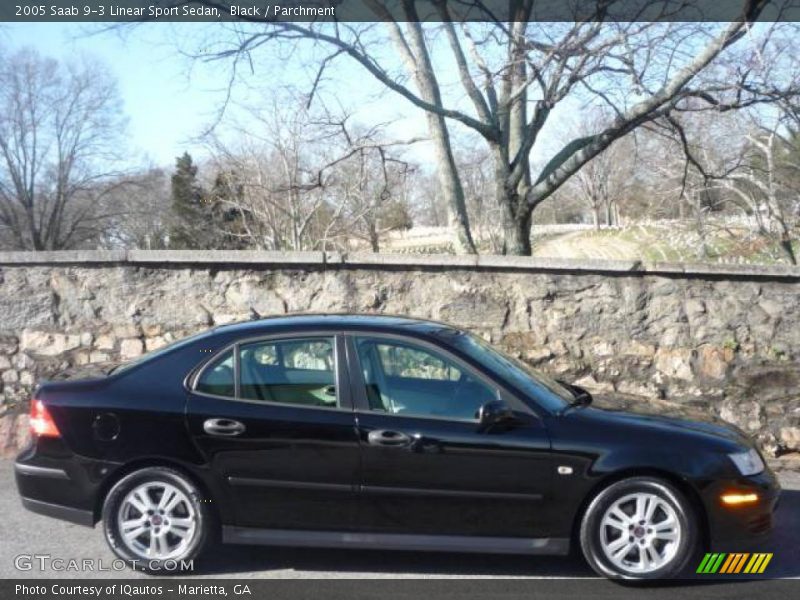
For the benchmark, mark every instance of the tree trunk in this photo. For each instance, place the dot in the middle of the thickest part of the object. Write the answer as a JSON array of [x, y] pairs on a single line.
[[596, 215], [516, 229], [418, 64], [516, 217], [702, 249], [450, 186], [374, 240], [786, 246]]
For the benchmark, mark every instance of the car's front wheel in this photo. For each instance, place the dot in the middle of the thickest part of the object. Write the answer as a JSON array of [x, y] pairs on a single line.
[[639, 528], [155, 519]]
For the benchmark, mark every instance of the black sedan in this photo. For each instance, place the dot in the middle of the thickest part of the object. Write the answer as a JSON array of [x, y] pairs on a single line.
[[380, 432]]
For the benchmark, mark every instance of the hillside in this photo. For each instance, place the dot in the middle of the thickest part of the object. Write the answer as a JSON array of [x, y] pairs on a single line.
[[728, 241]]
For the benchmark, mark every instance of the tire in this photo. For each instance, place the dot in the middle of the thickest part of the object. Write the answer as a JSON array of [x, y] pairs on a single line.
[[180, 533], [616, 543]]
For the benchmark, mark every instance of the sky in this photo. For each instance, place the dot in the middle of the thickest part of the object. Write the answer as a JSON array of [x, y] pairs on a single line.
[[170, 99], [153, 85]]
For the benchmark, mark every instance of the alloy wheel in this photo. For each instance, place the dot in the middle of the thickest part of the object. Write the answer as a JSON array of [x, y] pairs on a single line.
[[640, 533], [156, 521]]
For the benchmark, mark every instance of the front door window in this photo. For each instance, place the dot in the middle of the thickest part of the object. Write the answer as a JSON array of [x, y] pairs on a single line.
[[406, 379]]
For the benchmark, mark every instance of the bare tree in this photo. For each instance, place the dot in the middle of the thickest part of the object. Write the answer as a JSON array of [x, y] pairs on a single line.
[[603, 181], [370, 192], [762, 183], [746, 162], [427, 207], [514, 74], [147, 218], [59, 138], [269, 165], [477, 174], [305, 180]]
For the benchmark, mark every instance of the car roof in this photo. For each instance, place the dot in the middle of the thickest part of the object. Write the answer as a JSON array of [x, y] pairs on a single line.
[[371, 322]]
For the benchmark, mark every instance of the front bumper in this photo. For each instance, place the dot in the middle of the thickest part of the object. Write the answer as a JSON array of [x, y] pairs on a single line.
[[737, 526]]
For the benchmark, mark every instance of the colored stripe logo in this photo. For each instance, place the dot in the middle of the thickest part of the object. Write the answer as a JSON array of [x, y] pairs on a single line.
[[734, 563]]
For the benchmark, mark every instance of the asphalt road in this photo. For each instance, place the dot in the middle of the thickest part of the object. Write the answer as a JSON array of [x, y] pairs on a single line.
[[25, 533]]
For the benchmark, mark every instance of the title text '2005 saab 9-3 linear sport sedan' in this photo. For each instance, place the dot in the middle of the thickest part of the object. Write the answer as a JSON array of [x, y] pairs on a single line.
[[382, 432]]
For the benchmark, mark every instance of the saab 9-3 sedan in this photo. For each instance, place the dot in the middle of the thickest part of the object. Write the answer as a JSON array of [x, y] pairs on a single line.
[[380, 432]]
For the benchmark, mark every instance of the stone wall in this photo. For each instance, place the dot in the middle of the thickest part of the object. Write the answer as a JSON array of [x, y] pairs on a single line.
[[721, 338]]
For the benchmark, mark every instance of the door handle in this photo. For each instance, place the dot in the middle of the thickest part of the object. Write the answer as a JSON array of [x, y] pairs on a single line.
[[226, 427], [386, 437]]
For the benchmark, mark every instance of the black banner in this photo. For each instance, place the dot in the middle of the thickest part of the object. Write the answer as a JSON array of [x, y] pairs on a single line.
[[342, 589], [341, 11]]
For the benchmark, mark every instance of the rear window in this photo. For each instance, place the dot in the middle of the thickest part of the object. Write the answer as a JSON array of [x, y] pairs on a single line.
[[218, 377]]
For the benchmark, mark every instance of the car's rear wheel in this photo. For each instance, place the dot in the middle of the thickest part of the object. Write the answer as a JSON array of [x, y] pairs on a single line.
[[155, 519], [639, 528]]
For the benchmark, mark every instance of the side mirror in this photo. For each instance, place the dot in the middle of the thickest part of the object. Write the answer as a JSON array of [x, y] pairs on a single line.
[[495, 412], [582, 396]]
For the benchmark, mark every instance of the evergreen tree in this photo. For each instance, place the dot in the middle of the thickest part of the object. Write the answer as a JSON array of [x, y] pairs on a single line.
[[193, 227], [226, 202]]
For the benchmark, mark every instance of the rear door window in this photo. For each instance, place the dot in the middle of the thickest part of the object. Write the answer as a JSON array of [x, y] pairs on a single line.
[[290, 371]]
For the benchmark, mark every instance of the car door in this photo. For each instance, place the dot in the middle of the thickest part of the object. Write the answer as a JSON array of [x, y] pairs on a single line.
[[276, 426], [427, 466]]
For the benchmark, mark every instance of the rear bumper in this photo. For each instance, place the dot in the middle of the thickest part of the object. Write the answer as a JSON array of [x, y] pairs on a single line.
[[59, 511], [40, 486], [55, 482], [43, 472]]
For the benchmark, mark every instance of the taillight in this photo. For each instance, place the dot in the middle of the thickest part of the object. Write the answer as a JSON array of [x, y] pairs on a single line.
[[42, 423]]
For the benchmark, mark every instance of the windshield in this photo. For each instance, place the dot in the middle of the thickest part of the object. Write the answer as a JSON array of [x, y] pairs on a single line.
[[157, 353], [548, 392]]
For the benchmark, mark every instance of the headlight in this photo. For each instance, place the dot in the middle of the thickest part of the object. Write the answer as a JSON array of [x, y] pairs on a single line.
[[748, 463]]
